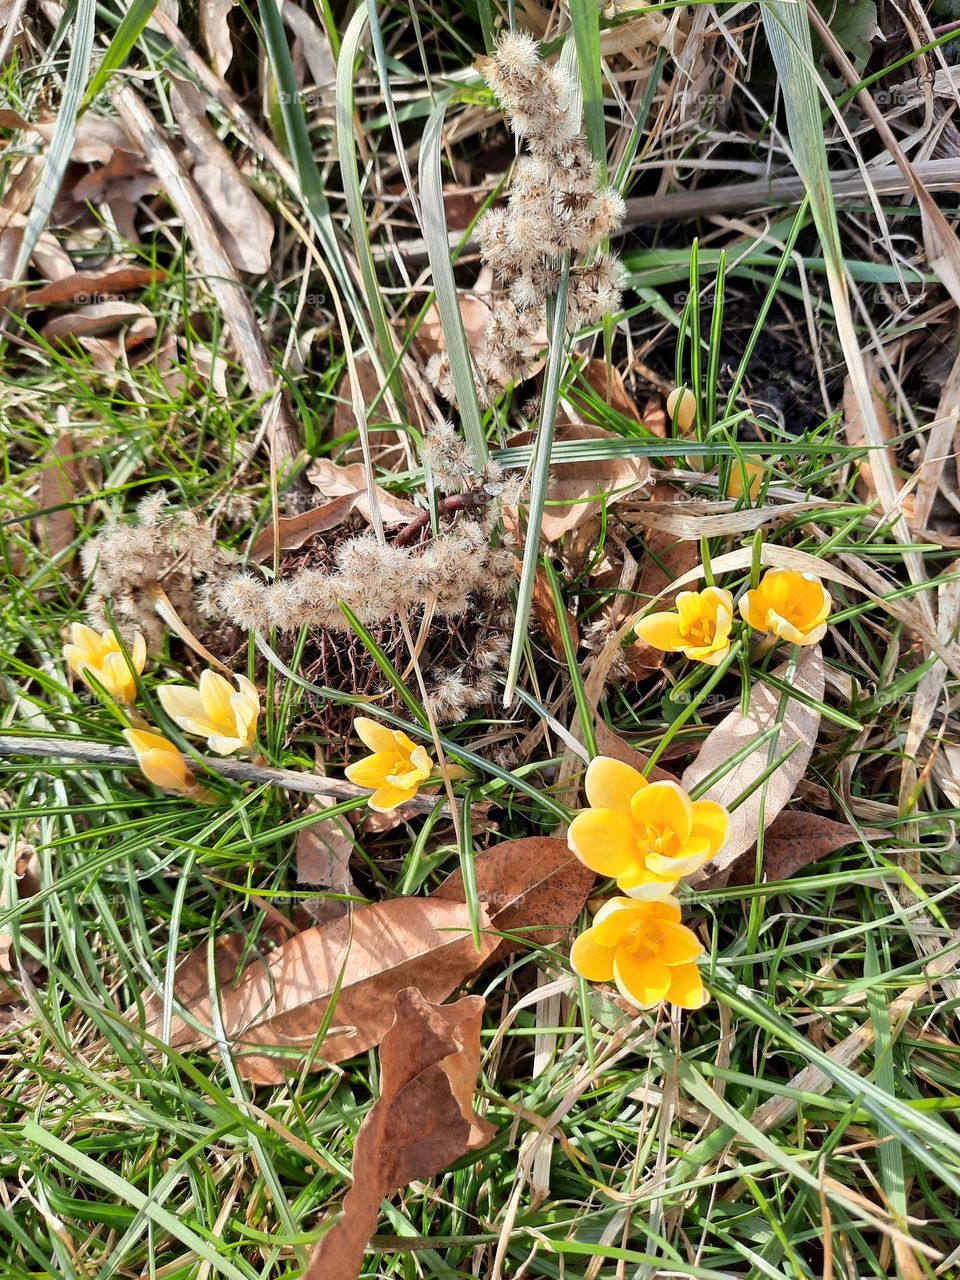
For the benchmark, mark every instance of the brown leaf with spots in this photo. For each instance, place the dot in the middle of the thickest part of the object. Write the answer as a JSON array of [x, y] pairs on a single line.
[[422, 1122], [794, 841]]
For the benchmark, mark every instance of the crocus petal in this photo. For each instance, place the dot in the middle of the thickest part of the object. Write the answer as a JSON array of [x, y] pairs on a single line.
[[611, 784], [784, 629], [648, 889], [372, 771], [374, 735], [661, 631], [386, 798], [711, 822], [183, 702], [684, 865], [158, 759], [117, 678], [225, 746], [421, 761], [215, 695], [678, 945], [665, 909], [603, 840], [138, 652], [814, 636], [642, 983], [86, 638], [665, 806], [614, 918], [405, 778], [589, 960], [751, 612], [686, 987], [710, 655], [720, 600]]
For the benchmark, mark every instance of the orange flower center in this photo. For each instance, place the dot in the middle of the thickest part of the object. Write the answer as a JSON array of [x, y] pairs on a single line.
[[702, 631], [643, 941], [651, 839]]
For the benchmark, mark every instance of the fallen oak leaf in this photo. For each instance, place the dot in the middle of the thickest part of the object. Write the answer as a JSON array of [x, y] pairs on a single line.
[[795, 840], [294, 531], [280, 1003], [798, 733], [422, 1122], [334, 481], [103, 317]]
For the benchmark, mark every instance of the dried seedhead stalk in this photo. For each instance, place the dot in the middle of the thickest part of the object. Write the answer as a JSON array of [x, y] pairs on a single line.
[[556, 207], [165, 550]]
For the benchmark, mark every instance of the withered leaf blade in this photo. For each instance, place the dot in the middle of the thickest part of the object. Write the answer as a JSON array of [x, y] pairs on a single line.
[[59, 482], [422, 1122], [535, 886], [274, 1013], [798, 730], [795, 840]]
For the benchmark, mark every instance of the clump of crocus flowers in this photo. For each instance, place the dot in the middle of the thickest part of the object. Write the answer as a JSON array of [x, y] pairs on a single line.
[[214, 710], [647, 836], [786, 604]]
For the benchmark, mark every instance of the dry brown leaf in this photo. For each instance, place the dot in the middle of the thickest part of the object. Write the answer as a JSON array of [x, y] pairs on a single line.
[[95, 140], [535, 886], [93, 286], [546, 616], [324, 851], [573, 487], [245, 226], [296, 530], [611, 744], [273, 1014], [138, 325], [59, 482], [796, 839], [215, 32], [798, 729], [334, 481], [610, 387], [314, 45], [422, 1122], [384, 444]]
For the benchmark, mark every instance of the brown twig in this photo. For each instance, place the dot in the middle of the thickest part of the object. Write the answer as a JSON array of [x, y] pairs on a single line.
[[236, 770], [455, 502]]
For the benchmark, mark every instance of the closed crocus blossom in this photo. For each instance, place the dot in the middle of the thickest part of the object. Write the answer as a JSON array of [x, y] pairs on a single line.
[[395, 770], [646, 835], [160, 762], [699, 628], [792, 605], [100, 655], [214, 710], [645, 950]]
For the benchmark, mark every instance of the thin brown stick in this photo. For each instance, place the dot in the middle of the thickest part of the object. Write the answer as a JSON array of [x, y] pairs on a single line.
[[455, 502], [50, 749]]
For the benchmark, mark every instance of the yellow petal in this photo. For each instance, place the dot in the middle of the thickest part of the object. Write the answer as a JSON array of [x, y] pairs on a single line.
[[371, 771], [159, 760], [386, 798], [215, 695], [648, 889], [686, 987], [89, 642], [711, 822], [615, 917], [712, 655], [814, 636], [182, 702], [223, 745], [422, 762], [642, 983], [117, 678], [589, 960], [377, 737], [611, 784], [684, 864], [678, 945], [661, 631], [138, 652], [752, 612], [664, 806], [603, 840]]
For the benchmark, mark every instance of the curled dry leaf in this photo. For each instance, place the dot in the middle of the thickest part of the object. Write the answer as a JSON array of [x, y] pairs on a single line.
[[422, 1122], [245, 226], [611, 744], [795, 839], [93, 286], [334, 481], [798, 730], [138, 325], [215, 33], [323, 859], [574, 489]]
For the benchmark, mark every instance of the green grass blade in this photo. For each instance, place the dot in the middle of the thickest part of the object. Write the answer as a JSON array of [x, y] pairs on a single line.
[[585, 17], [131, 28], [445, 286], [61, 144]]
